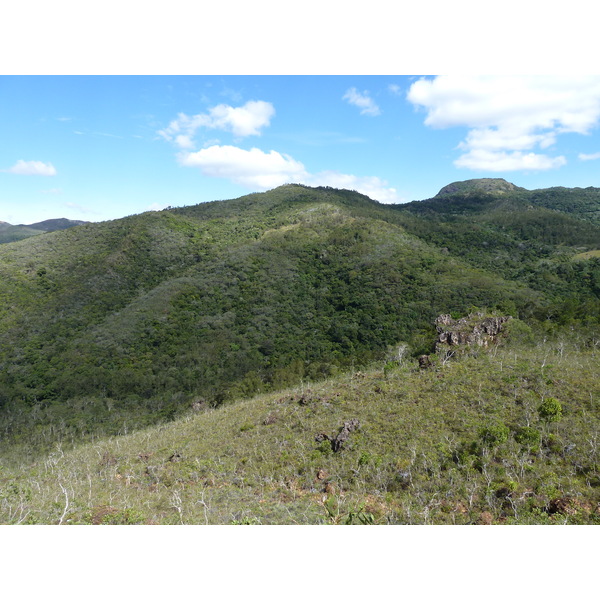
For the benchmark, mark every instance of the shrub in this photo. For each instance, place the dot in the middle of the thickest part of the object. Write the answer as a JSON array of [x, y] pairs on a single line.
[[550, 410], [493, 435], [519, 332], [528, 437]]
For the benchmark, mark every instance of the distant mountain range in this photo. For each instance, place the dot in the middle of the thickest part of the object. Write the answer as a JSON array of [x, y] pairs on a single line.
[[13, 233]]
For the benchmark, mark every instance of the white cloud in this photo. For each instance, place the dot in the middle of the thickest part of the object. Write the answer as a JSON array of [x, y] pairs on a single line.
[[509, 115], [242, 121], [374, 187], [184, 141], [84, 210], [260, 170], [363, 101], [594, 156], [31, 167], [251, 168], [498, 161], [157, 206]]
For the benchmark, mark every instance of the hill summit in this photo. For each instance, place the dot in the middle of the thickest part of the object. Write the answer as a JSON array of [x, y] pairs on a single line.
[[486, 185]]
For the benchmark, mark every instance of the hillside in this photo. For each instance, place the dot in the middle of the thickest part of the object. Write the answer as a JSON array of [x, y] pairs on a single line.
[[107, 328], [504, 436], [526, 236]]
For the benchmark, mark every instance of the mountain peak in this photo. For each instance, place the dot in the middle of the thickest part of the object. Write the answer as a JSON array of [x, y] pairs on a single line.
[[486, 185]]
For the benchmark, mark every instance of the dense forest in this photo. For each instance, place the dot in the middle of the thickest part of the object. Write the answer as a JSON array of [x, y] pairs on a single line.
[[109, 328]]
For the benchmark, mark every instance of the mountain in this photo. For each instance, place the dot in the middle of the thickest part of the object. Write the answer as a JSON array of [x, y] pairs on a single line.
[[55, 224], [499, 196], [13, 233], [115, 326], [523, 235], [488, 186]]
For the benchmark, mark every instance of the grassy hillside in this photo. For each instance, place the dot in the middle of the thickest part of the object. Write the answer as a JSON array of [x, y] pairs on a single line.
[[503, 436]]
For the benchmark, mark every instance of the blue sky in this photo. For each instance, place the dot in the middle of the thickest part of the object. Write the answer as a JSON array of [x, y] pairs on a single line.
[[103, 147]]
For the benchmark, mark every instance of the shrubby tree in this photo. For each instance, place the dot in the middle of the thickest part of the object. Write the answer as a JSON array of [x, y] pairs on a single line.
[[550, 410]]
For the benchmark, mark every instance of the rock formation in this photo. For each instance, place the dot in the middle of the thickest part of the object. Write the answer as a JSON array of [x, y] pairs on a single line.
[[342, 437], [472, 330]]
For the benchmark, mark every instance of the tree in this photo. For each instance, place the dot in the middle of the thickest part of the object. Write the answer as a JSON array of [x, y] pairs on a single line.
[[550, 410]]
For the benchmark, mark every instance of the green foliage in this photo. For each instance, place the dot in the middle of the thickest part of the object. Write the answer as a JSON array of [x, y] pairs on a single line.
[[519, 332], [359, 514], [495, 434], [456, 444], [246, 521], [528, 437], [550, 410], [12, 233], [127, 516]]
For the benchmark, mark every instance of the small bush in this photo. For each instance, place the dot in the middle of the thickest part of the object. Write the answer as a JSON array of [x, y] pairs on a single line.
[[519, 332], [550, 410], [528, 437], [493, 435]]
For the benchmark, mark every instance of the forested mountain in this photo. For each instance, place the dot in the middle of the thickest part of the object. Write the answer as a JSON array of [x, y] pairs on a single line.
[[108, 327], [13, 233]]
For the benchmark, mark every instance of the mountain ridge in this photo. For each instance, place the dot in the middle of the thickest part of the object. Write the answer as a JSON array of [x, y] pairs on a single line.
[[13, 233]]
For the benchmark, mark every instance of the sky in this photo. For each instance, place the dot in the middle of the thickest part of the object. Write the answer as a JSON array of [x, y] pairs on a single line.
[[100, 147]]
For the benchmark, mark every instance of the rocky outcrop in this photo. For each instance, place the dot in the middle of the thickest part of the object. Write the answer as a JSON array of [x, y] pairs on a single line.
[[342, 437], [474, 330], [425, 361]]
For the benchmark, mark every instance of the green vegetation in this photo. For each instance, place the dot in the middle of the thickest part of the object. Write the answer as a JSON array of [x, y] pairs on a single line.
[[460, 443], [128, 333], [12, 233]]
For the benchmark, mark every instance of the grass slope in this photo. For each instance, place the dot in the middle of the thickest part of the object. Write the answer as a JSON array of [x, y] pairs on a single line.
[[465, 442]]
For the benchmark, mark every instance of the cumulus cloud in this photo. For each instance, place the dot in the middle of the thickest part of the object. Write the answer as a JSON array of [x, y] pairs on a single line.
[[509, 117], [242, 121], [363, 101], [31, 167], [250, 168], [258, 170], [374, 187]]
